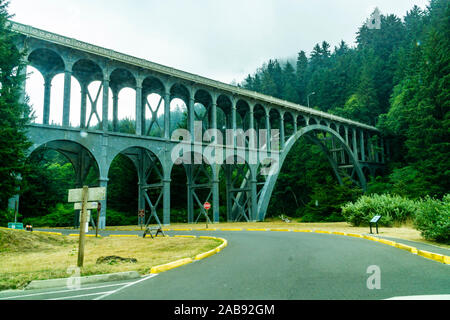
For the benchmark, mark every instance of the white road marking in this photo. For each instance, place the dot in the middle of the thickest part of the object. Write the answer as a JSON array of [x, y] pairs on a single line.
[[126, 286], [64, 291], [430, 297], [81, 295]]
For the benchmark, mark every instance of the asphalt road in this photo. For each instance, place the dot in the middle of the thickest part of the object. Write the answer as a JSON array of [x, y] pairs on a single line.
[[277, 266]]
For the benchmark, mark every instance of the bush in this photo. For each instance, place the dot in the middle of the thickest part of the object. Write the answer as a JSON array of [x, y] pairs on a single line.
[[433, 219], [60, 216], [6, 216], [390, 208], [116, 218]]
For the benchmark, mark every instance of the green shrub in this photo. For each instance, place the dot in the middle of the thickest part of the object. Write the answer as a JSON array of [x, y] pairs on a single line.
[[60, 216], [391, 209], [433, 219], [5, 217], [116, 218]]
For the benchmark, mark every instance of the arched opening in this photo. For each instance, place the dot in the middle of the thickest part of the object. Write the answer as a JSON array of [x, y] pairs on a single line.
[[153, 104], [122, 112], [179, 110], [202, 109], [237, 196], [224, 107], [314, 182], [289, 126], [191, 177], [34, 89], [275, 126], [140, 167], [301, 122], [259, 114], [56, 167]]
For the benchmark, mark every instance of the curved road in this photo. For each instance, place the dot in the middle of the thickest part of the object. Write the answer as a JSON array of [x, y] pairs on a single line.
[[295, 266], [290, 266]]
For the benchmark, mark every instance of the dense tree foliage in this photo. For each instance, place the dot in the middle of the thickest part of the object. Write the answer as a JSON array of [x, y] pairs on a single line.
[[396, 78], [14, 113]]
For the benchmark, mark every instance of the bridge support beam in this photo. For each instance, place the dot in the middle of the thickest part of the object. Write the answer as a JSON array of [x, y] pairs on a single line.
[[103, 183]]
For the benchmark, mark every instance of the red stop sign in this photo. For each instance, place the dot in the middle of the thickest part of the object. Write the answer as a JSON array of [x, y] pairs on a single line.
[[207, 206]]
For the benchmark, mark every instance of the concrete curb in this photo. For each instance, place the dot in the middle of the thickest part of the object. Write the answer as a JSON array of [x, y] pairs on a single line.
[[182, 262], [56, 283]]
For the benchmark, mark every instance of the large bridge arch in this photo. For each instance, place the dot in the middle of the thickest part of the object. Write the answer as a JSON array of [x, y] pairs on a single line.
[[272, 177]]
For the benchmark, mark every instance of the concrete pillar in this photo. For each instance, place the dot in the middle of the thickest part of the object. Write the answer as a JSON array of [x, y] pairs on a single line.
[[167, 115], [105, 105], [355, 145], [67, 96], [215, 195], [363, 152], [47, 94], [282, 134], [233, 121], [115, 98], [191, 118], [139, 110], [254, 197], [190, 198], [268, 130], [84, 92], [166, 201], [103, 182], [295, 125]]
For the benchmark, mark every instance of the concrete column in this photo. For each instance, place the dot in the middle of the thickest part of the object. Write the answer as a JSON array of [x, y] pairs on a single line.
[[254, 198], [84, 92], [191, 118], [363, 152], [355, 145], [253, 139], [268, 130], [229, 201], [139, 110], [233, 122], [105, 105], [22, 72], [167, 115], [115, 98], [295, 125], [215, 195], [190, 198], [102, 224], [282, 134], [166, 201], [47, 95], [67, 96]]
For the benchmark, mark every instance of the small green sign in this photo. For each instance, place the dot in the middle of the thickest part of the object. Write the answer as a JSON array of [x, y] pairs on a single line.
[[17, 226]]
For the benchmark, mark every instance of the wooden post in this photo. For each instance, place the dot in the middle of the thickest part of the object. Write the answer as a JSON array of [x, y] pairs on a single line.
[[85, 195], [99, 209]]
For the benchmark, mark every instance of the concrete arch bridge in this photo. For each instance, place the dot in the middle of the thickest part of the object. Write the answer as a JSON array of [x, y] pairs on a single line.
[[246, 134]]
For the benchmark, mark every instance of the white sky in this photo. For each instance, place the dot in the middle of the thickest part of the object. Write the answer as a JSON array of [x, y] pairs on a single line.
[[224, 40]]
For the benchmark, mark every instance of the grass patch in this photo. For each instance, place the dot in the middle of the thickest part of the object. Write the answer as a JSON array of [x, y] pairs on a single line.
[[28, 256]]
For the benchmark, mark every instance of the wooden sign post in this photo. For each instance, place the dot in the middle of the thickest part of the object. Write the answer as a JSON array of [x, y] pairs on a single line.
[[84, 199], [84, 196]]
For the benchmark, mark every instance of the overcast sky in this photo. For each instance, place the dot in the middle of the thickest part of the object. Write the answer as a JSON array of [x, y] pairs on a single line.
[[220, 39]]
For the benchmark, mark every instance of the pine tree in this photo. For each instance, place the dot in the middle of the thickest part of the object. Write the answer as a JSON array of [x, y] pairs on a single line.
[[14, 113]]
